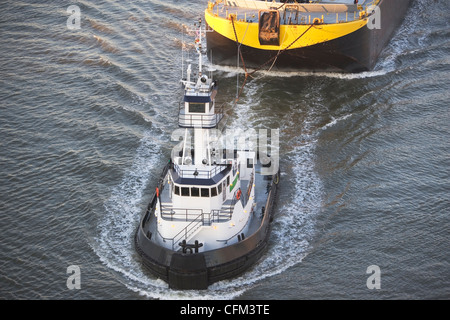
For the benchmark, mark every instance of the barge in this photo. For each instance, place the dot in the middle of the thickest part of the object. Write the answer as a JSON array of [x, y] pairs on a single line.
[[317, 36]]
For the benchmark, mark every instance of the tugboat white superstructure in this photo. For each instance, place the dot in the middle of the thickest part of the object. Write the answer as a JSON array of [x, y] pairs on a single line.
[[209, 218]]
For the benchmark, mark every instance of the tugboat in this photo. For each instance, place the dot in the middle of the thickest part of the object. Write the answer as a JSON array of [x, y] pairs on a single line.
[[324, 36], [210, 216]]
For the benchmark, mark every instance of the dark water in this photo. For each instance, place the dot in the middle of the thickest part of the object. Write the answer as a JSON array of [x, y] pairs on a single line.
[[86, 123]]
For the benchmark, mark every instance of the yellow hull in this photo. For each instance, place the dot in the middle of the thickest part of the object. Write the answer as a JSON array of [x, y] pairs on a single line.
[[320, 36], [247, 32]]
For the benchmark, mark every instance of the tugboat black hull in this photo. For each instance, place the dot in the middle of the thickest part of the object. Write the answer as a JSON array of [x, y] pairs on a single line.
[[196, 271], [357, 51]]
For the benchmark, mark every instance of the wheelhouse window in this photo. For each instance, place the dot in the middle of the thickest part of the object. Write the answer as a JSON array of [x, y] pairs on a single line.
[[185, 192], [249, 163], [195, 192], [177, 190], [195, 107], [213, 192], [219, 188], [205, 192]]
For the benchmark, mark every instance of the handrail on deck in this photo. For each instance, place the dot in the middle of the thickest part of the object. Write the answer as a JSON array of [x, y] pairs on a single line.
[[199, 120], [303, 15], [202, 219], [200, 173]]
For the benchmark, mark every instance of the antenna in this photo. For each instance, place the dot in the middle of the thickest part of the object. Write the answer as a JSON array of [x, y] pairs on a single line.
[[182, 55], [198, 42]]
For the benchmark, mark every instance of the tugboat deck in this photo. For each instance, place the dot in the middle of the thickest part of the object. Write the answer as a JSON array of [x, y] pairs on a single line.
[[203, 225]]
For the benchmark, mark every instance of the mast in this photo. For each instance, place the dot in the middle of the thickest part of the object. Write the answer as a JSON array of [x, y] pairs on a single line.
[[200, 141], [199, 109], [198, 42]]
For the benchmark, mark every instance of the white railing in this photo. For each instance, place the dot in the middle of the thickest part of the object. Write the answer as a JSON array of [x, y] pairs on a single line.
[[201, 174]]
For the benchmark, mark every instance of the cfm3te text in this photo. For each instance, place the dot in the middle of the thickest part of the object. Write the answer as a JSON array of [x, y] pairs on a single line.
[[229, 309]]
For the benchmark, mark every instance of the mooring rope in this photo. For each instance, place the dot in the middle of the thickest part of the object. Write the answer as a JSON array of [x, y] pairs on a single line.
[[272, 59]]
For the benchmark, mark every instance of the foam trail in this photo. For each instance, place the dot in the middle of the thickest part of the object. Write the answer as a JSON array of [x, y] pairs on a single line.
[[335, 121], [289, 242], [114, 245], [233, 71]]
